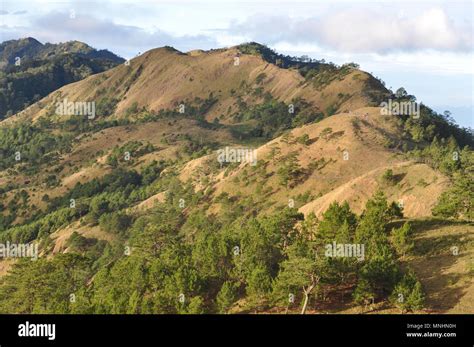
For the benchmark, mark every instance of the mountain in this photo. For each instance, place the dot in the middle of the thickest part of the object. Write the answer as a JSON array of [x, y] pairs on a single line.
[[31, 49], [28, 47], [163, 78], [29, 70], [214, 181]]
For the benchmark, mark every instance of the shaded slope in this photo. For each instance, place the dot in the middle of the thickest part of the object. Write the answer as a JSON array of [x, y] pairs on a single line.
[[30, 70]]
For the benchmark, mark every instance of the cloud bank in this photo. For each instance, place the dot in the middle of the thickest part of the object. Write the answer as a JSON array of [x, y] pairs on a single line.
[[362, 31], [60, 26]]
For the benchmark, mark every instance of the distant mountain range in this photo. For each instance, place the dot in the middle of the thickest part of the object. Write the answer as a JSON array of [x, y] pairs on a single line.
[[29, 70]]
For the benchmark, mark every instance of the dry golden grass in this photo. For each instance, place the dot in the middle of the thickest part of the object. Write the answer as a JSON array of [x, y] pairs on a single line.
[[363, 134], [447, 279], [417, 200], [5, 266], [60, 237], [446, 274], [161, 78], [148, 203]]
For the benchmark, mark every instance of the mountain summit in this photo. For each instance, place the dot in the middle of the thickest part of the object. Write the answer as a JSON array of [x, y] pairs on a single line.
[[31, 49], [229, 180], [29, 70], [228, 79]]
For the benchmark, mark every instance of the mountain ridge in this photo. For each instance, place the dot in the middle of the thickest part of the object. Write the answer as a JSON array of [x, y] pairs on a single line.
[[31, 48], [137, 192], [29, 70], [188, 76]]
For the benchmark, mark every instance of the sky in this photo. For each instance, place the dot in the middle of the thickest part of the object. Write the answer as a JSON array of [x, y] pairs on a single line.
[[424, 46]]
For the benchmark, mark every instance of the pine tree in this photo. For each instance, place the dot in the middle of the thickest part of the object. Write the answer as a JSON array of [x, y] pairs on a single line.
[[402, 239], [408, 293], [395, 211], [226, 296], [259, 284], [371, 229], [416, 299], [364, 293], [337, 224], [303, 271]]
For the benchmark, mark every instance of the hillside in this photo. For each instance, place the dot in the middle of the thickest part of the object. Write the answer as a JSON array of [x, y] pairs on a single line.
[[30, 70], [164, 78], [31, 49], [139, 207], [343, 158]]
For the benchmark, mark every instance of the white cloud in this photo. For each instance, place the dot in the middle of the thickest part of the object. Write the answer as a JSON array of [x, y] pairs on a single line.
[[127, 40], [363, 30]]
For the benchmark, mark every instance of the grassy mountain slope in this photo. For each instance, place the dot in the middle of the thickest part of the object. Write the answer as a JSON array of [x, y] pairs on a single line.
[[163, 78], [136, 205], [322, 175]]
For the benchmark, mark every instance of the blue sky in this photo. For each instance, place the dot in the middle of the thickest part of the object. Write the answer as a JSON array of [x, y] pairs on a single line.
[[424, 46]]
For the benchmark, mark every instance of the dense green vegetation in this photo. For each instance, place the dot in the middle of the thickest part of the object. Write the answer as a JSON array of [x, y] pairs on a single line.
[[187, 256], [458, 164], [317, 72], [127, 153], [438, 141], [43, 69], [284, 61], [271, 117], [449, 150], [176, 259], [30, 144]]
